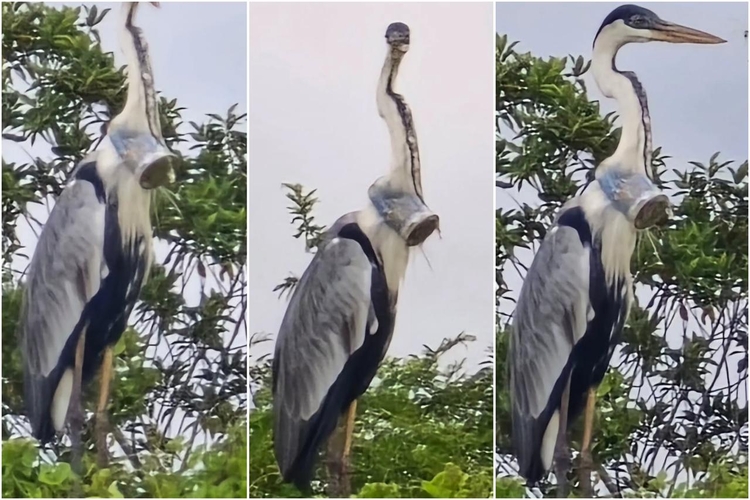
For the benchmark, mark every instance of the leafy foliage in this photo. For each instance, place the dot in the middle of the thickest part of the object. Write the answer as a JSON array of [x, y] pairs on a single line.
[[672, 411], [218, 472], [179, 395], [423, 429]]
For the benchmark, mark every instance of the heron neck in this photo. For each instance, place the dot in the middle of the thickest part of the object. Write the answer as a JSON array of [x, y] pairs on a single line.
[[388, 244], [405, 174], [141, 110], [633, 152]]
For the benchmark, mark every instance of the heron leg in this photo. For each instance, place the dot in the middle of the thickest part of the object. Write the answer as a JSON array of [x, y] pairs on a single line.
[[102, 422], [75, 410], [587, 462], [562, 451], [351, 415], [339, 448]]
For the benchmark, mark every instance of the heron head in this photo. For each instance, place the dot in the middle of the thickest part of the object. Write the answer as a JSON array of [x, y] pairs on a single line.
[[631, 23], [397, 36]]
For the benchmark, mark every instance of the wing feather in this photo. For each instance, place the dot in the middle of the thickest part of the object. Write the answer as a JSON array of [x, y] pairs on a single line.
[[327, 320], [551, 316], [64, 274]]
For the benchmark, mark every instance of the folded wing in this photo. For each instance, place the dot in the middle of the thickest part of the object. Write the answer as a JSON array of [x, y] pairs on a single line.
[[64, 275], [327, 320], [551, 316]]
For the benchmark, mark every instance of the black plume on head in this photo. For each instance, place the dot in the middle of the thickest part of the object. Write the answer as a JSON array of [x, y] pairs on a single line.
[[632, 15], [397, 33]]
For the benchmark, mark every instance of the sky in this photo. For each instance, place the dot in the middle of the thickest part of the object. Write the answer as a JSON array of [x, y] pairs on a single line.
[[314, 121]]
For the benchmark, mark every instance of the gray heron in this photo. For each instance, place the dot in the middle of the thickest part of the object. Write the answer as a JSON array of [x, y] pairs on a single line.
[[577, 294], [93, 257], [340, 319]]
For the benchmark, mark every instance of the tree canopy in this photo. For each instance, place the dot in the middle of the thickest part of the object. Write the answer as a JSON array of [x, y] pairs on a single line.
[[179, 395], [671, 417]]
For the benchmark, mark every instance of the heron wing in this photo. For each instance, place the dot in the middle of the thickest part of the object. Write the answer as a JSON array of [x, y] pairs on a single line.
[[326, 321], [550, 317], [64, 274]]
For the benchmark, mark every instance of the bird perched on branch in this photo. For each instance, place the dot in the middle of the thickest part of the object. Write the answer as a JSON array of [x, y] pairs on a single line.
[[577, 294], [93, 257], [340, 319]]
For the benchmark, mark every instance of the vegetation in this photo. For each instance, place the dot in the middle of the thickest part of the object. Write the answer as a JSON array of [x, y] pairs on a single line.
[[179, 395], [671, 417], [423, 429]]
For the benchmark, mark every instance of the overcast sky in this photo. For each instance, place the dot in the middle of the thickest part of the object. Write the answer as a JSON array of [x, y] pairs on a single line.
[[313, 120]]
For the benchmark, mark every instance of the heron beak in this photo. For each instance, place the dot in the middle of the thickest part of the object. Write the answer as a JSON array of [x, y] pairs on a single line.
[[675, 33]]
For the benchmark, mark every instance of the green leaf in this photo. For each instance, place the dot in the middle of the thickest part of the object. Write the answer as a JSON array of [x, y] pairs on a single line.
[[55, 475]]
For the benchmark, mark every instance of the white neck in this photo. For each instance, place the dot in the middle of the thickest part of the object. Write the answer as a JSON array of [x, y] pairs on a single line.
[[405, 174], [635, 139], [141, 110], [387, 243]]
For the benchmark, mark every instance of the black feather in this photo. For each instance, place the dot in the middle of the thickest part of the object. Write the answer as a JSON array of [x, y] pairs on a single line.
[[633, 15]]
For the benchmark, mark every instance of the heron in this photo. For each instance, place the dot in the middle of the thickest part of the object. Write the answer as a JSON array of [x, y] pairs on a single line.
[[340, 319], [578, 291], [93, 257]]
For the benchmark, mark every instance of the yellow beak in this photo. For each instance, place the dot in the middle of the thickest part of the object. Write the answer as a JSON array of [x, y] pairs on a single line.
[[674, 33]]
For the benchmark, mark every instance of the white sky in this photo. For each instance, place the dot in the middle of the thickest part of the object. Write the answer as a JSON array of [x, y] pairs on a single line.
[[313, 120]]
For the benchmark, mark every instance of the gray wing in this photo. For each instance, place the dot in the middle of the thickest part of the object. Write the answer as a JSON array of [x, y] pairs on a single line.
[[325, 322], [64, 274], [550, 317]]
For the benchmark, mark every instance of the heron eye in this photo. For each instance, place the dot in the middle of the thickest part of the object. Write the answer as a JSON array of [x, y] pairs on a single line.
[[637, 21]]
